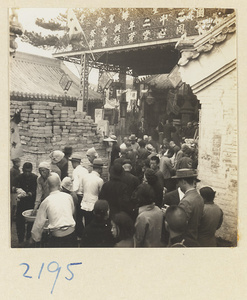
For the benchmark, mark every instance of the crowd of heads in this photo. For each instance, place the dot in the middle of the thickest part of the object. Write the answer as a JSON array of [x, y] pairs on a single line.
[[141, 170]]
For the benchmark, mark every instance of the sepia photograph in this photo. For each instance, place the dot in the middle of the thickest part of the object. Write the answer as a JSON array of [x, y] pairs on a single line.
[[123, 128]]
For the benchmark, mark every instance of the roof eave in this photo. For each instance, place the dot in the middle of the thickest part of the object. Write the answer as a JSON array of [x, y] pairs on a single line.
[[191, 49], [189, 43]]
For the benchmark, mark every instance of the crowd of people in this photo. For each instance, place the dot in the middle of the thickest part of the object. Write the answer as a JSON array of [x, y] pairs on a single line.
[[149, 200]]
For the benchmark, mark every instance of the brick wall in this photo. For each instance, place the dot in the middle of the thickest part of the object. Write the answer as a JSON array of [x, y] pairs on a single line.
[[218, 149], [48, 126]]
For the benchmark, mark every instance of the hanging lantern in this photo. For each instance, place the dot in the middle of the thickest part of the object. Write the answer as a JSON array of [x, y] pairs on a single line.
[[15, 30], [65, 82]]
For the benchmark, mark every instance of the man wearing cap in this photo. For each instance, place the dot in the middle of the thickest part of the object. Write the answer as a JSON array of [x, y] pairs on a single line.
[[192, 202], [151, 151], [115, 150], [56, 157], [129, 179], [134, 145], [91, 154], [26, 184], [78, 175], [154, 165], [14, 173], [61, 162], [116, 192], [212, 218], [58, 208], [167, 169], [132, 148], [151, 178], [67, 187], [180, 154], [92, 186], [186, 161], [42, 185]]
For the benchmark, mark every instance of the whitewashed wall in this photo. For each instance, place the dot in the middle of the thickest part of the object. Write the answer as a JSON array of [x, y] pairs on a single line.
[[213, 78], [218, 148]]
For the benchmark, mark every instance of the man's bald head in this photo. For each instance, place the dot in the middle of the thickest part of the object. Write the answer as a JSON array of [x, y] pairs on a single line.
[[176, 219], [54, 182]]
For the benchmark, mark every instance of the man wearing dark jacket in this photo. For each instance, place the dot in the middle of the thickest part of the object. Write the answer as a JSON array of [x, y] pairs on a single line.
[[176, 224], [26, 184], [173, 198], [98, 232], [212, 218], [116, 192], [129, 179], [192, 202]]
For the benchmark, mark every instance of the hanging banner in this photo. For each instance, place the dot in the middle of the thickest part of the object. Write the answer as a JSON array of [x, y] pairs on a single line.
[[15, 141]]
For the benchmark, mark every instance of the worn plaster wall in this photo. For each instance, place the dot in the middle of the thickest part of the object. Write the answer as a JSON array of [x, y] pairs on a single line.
[[218, 148]]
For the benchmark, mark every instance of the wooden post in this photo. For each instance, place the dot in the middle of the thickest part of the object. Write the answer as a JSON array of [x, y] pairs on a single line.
[[82, 102], [122, 106]]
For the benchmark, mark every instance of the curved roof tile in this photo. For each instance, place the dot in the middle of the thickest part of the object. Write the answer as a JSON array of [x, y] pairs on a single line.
[[38, 77], [192, 49]]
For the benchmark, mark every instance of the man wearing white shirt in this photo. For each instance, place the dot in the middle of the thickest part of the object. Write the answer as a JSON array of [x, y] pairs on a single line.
[[58, 209], [92, 186], [78, 176]]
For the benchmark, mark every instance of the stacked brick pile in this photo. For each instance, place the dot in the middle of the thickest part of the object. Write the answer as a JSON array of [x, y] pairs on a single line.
[[48, 126]]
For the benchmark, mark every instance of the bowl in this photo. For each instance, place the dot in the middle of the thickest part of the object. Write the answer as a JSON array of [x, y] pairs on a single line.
[[27, 215]]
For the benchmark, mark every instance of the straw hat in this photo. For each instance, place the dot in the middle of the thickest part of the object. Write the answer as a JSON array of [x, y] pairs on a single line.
[[132, 137], [97, 162], [75, 157], [67, 183]]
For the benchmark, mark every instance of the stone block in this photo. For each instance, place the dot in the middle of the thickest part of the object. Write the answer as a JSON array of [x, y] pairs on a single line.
[[38, 107], [32, 115], [56, 116]]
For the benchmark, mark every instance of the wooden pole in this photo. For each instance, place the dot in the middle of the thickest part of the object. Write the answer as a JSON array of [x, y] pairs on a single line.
[[82, 102], [122, 119]]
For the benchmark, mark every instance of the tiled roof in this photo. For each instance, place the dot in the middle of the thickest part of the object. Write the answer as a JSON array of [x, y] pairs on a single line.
[[191, 49], [33, 76], [159, 81]]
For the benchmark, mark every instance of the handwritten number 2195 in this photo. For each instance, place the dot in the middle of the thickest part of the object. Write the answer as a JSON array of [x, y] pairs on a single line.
[[50, 268]]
